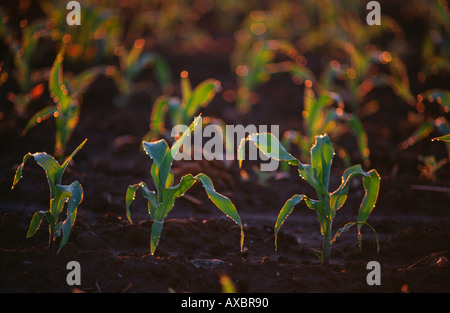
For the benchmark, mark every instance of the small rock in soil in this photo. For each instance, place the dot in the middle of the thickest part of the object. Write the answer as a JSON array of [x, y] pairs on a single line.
[[207, 263]]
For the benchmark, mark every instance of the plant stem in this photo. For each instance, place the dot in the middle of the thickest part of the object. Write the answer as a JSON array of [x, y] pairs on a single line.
[[327, 233], [327, 241], [50, 238]]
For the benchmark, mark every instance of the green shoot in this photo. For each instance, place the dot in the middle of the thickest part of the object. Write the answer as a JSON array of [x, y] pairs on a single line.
[[66, 93], [59, 195], [259, 62], [358, 78], [317, 174], [430, 166], [226, 283], [91, 43], [181, 111], [445, 138], [131, 63], [319, 117], [161, 201], [428, 125], [435, 46], [24, 52]]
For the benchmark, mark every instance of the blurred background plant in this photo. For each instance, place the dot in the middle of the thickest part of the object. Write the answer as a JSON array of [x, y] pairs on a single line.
[[323, 113], [131, 63], [263, 48], [432, 107], [20, 60], [181, 111], [262, 61], [65, 90], [88, 45], [435, 54]]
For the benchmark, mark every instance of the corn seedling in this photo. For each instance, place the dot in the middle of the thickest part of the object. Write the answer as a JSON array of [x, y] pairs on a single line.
[[65, 92], [131, 63], [59, 195], [181, 111], [260, 62], [24, 52], [340, 29], [435, 46], [363, 73], [91, 43], [173, 21], [340, 22], [321, 116], [161, 202], [430, 166], [430, 124], [317, 174]]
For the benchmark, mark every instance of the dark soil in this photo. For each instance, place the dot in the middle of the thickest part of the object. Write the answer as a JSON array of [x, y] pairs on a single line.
[[198, 242]]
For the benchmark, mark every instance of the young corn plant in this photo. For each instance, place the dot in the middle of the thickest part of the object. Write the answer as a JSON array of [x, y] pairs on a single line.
[[91, 43], [317, 174], [65, 92], [181, 111], [131, 63], [321, 116], [59, 195], [23, 54], [161, 201], [363, 72], [260, 63], [430, 124], [435, 47]]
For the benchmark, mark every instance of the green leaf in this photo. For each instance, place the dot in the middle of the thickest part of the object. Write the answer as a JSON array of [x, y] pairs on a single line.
[[287, 209], [36, 221], [148, 194], [271, 147], [321, 158], [48, 163], [162, 71], [347, 226], [422, 132], [84, 79], [322, 215], [442, 96], [157, 227], [19, 170], [157, 118], [67, 161], [40, 116], [75, 192], [170, 194], [318, 254], [371, 182], [129, 197], [166, 163], [443, 138], [357, 127], [57, 88], [201, 96], [156, 150], [186, 88], [315, 121], [222, 202]]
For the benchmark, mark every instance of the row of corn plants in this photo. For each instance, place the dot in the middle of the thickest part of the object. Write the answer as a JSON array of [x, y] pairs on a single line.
[[162, 200]]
